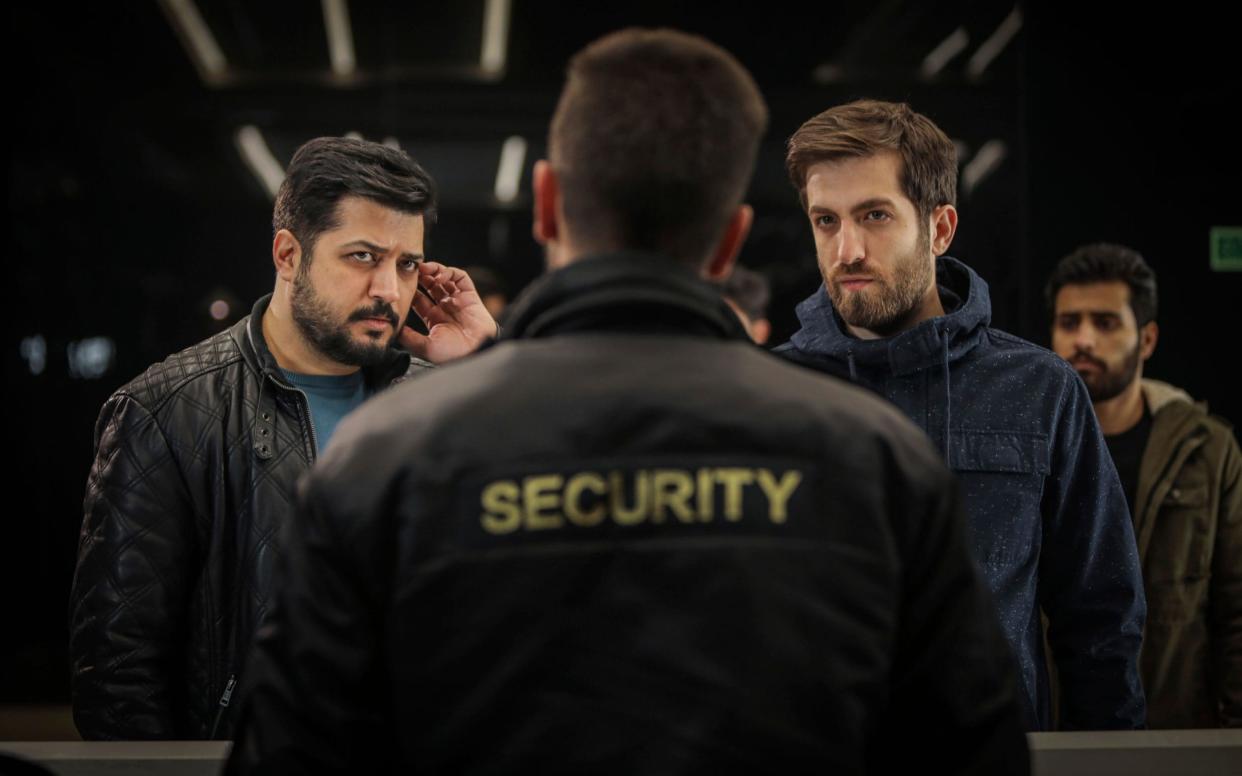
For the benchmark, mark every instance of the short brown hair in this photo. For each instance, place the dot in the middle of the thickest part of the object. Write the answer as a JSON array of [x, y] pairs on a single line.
[[867, 127], [654, 141]]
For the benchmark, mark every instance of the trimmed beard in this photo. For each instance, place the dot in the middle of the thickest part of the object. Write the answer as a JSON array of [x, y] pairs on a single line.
[[885, 302], [316, 322], [1109, 384]]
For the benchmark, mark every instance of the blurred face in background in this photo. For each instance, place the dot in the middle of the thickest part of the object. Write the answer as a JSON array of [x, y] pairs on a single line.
[[1094, 329]]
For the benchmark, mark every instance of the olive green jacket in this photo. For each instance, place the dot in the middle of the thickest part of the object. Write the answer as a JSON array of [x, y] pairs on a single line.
[[1188, 523]]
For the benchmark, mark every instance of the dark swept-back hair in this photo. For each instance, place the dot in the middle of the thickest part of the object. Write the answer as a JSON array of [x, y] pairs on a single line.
[[1105, 263], [654, 141], [326, 169], [867, 127]]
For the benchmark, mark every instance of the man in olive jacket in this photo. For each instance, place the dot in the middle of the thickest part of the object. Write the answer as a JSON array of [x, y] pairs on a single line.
[[1182, 473]]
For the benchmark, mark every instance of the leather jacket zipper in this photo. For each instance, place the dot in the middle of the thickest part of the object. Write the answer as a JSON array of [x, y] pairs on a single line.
[[304, 409], [310, 422], [225, 699], [227, 696]]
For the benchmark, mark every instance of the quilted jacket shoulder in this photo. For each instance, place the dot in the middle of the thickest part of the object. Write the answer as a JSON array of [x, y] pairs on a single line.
[[196, 466], [161, 381]]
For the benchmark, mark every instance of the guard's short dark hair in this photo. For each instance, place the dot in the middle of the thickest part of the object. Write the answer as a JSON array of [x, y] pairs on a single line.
[[749, 291], [654, 141], [326, 169], [1105, 263], [867, 127]]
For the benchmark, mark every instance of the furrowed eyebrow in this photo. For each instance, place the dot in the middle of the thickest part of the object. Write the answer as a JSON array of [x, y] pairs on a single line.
[[364, 244], [1079, 312], [373, 248]]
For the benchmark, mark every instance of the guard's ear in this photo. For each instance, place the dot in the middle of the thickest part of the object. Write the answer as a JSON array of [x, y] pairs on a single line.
[[723, 257], [547, 190]]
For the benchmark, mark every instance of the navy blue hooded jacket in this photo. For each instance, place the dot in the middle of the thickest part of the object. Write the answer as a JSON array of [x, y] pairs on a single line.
[[1048, 521]]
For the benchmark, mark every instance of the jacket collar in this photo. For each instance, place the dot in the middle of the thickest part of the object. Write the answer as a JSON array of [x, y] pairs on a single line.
[[1178, 428], [248, 334], [1175, 419], [1159, 395], [968, 311], [628, 292]]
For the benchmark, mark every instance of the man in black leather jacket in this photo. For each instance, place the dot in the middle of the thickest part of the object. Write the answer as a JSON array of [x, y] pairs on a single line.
[[197, 459], [625, 540]]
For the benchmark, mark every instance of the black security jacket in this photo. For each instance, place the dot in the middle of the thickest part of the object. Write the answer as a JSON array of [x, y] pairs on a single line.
[[625, 540], [195, 470]]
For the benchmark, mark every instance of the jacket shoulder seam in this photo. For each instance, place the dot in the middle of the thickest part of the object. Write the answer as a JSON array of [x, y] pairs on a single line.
[[152, 400]]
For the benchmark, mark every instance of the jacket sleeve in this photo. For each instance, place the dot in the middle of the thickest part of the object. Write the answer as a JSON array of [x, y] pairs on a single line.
[[1225, 602], [311, 694], [954, 696], [1091, 585], [128, 598]]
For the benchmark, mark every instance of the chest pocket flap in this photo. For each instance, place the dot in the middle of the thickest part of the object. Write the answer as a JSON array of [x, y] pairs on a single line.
[[1177, 557], [1000, 451], [1187, 495], [1002, 476]]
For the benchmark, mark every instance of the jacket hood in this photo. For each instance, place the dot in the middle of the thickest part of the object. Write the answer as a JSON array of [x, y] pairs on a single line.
[[625, 292], [968, 311], [1159, 394]]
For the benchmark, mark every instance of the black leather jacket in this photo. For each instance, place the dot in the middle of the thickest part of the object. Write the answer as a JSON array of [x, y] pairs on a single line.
[[626, 540], [196, 464]]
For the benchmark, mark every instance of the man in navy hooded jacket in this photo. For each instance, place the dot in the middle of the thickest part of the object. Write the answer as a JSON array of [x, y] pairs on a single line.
[[1048, 521]]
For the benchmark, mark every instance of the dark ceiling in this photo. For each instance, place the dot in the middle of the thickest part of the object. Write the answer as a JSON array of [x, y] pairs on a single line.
[[125, 77]]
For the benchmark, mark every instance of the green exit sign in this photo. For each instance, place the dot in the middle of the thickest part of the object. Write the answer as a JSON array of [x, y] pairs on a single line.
[[1226, 248]]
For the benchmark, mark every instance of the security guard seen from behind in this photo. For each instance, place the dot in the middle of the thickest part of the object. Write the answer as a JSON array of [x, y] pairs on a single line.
[[623, 539]]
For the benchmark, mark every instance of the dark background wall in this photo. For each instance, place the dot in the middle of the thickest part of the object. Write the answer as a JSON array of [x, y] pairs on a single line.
[[130, 209]]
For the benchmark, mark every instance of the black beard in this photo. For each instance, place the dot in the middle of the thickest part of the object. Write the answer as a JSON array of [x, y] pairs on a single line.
[[333, 339], [1109, 384]]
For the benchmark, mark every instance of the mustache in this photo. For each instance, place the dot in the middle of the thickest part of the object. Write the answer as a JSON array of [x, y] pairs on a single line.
[[377, 310], [1081, 356], [835, 274]]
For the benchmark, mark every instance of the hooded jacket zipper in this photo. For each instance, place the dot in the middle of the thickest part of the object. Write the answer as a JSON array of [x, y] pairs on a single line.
[[948, 397]]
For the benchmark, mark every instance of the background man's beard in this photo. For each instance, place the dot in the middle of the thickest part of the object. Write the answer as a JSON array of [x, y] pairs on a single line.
[[315, 321], [1109, 384]]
